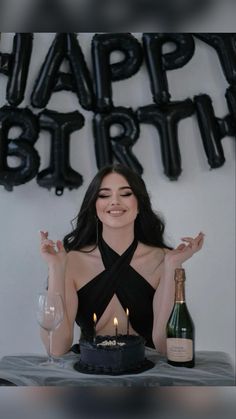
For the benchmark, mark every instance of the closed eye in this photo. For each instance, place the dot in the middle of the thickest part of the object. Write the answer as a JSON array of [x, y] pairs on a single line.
[[104, 196], [123, 195]]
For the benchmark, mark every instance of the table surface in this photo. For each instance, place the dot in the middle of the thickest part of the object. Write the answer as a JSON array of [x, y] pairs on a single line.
[[211, 369]]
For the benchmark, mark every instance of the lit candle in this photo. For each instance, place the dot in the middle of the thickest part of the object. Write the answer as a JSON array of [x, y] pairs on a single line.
[[127, 314], [94, 327], [116, 327]]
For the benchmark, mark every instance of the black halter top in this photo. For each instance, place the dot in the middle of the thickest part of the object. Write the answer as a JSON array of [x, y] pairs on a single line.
[[118, 278]]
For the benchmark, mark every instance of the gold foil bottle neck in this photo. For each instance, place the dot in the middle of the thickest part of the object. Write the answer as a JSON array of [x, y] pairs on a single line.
[[180, 275], [179, 285]]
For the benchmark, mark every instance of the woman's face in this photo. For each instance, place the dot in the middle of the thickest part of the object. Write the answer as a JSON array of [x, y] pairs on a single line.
[[116, 205]]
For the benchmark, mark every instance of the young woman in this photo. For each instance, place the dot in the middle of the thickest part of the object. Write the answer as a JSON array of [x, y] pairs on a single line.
[[115, 259]]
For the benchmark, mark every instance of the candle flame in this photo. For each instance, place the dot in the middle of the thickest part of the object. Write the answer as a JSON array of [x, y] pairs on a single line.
[[115, 321], [127, 311], [94, 317]]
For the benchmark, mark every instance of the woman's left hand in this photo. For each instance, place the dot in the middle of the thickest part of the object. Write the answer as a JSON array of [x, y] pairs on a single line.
[[184, 251]]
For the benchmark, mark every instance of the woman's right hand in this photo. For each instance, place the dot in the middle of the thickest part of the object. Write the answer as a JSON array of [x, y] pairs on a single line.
[[52, 252]]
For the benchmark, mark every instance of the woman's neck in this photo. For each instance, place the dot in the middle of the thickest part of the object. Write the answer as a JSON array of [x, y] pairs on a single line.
[[119, 239]]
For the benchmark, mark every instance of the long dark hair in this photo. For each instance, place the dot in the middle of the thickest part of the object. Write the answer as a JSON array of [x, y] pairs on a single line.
[[148, 226]]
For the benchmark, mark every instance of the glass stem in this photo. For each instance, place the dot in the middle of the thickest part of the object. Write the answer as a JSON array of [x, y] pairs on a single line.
[[50, 358]]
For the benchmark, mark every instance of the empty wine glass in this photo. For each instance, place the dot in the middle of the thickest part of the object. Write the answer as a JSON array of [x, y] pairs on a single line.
[[49, 316]]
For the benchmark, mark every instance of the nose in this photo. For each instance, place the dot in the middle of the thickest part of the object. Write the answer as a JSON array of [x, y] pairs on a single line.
[[115, 200]]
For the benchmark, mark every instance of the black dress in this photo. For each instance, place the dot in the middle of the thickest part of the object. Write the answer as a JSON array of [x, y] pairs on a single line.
[[131, 289]]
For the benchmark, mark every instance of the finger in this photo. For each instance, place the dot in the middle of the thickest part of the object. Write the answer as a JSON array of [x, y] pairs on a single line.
[[181, 246], [43, 234], [48, 249], [200, 243], [201, 234], [60, 246], [197, 243], [200, 238], [47, 243], [187, 239], [190, 241]]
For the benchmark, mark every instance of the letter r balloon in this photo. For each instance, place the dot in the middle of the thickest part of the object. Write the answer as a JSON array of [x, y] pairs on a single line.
[[108, 147]]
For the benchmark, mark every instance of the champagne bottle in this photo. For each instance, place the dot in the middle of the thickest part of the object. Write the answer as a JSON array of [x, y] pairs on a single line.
[[180, 328]]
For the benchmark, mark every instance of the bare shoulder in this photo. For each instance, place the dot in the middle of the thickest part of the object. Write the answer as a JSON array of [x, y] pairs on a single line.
[[85, 256], [83, 265], [148, 261], [86, 252], [144, 250]]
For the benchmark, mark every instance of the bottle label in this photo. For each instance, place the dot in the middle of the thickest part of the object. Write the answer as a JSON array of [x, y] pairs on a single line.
[[179, 350]]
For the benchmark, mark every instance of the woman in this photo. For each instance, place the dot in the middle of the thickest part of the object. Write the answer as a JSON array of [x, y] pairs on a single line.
[[115, 259]]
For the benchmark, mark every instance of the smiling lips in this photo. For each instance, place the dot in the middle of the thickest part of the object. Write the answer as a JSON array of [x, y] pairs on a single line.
[[116, 212]]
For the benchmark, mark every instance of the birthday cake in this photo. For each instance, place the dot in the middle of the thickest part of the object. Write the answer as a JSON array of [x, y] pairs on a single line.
[[113, 355]]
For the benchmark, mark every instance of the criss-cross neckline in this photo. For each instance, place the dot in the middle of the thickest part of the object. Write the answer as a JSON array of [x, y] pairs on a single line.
[[118, 278], [108, 253]]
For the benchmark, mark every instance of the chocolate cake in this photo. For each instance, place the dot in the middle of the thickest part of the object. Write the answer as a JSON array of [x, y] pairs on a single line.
[[113, 355]]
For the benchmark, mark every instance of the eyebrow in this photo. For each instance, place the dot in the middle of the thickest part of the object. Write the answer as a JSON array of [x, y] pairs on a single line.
[[109, 189]]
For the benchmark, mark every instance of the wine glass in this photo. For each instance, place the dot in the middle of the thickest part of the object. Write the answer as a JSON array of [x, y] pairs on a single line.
[[49, 315]]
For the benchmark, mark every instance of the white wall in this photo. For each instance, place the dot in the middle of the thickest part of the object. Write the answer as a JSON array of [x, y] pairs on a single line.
[[201, 199]]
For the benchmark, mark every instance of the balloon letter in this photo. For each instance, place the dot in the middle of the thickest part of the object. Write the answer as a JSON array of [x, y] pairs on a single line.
[[212, 130], [16, 66], [231, 100], [21, 147], [51, 79], [225, 46], [158, 62], [104, 72], [59, 174], [119, 146], [165, 118]]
